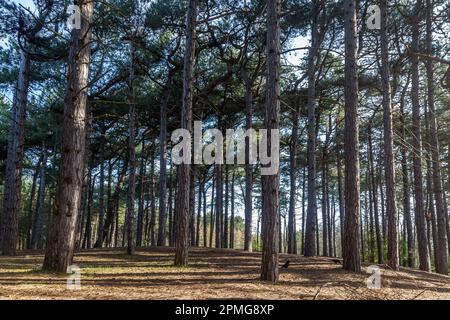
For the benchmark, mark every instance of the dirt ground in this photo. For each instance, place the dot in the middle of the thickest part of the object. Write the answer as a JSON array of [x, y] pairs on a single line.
[[212, 274]]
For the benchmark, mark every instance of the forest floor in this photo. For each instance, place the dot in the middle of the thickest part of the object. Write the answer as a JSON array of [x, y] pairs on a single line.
[[212, 274]]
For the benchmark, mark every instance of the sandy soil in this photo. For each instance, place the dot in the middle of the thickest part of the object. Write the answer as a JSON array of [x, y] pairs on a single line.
[[212, 274]]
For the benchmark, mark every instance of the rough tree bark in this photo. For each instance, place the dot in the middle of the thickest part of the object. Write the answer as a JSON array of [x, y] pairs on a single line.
[[163, 160], [101, 198], [211, 221], [88, 228], [131, 153], [205, 222], [141, 209], [351, 253], [31, 206], [303, 208], [422, 238], [405, 184], [232, 212], [61, 239], [38, 222], [373, 186], [152, 222], [311, 215], [270, 183], [325, 221], [391, 204], [192, 204], [291, 229], [225, 217], [442, 250], [14, 160], [170, 207], [248, 210], [341, 196], [182, 223], [219, 205]]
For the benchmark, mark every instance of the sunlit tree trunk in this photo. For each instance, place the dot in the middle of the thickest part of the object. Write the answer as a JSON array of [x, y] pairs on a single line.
[[61, 239]]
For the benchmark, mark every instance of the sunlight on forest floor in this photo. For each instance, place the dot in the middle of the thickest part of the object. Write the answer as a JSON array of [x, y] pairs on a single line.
[[212, 274]]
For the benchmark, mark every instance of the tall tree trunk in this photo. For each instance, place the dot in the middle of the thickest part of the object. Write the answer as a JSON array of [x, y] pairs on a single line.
[[163, 160], [182, 227], [232, 222], [371, 220], [205, 222], [219, 205], [152, 198], [61, 239], [341, 198], [14, 160], [333, 217], [211, 222], [88, 228], [199, 213], [248, 210], [311, 217], [31, 206], [351, 253], [38, 222], [303, 208], [291, 232], [445, 202], [225, 218], [422, 238], [373, 186], [405, 185], [270, 183], [192, 204], [363, 222], [330, 222], [170, 207], [325, 221], [131, 154], [391, 205], [141, 209], [442, 249], [382, 197], [101, 199], [431, 213], [82, 212]]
